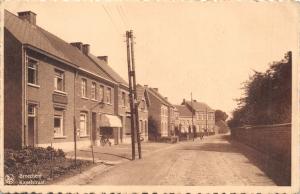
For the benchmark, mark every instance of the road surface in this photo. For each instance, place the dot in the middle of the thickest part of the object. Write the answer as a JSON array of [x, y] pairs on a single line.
[[212, 161]]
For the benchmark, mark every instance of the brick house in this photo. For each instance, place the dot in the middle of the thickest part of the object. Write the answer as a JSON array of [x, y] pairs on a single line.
[[161, 111], [184, 118], [123, 107], [53, 89], [204, 116], [144, 104]]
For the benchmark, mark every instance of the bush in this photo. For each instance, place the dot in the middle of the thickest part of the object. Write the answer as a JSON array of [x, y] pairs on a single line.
[[32, 160]]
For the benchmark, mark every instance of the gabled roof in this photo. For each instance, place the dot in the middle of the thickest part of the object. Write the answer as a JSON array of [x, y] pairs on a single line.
[[198, 106], [159, 96], [108, 70], [142, 92], [37, 37], [183, 111]]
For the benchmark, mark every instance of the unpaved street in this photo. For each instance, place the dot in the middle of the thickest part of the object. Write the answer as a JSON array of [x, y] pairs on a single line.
[[212, 161]]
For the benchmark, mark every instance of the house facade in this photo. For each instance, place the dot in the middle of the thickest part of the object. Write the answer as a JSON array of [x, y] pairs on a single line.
[[161, 111], [204, 116], [55, 92], [184, 120]]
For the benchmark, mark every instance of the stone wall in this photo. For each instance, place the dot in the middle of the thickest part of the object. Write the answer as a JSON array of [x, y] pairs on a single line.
[[274, 141]]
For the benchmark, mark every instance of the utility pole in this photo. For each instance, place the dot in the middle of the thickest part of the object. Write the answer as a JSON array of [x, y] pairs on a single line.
[[135, 97], [130, 96], [192, 116], [135, 132], [206, 121]]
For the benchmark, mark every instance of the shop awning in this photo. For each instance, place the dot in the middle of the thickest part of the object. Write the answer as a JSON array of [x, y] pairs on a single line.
[[110, 121]]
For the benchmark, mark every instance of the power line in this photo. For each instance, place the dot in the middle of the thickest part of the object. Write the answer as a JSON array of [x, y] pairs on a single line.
[[111, 19], [124, 14], [122, 17]]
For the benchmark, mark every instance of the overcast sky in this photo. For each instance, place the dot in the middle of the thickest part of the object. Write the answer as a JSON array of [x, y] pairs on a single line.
[[205, 48]]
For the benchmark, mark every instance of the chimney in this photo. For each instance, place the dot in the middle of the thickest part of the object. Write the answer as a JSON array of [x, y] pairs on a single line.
[[28, 15], [104, 58], [86, 49], [195, 100], [77, 45], [166, 98], [156, 89], [183, 101]]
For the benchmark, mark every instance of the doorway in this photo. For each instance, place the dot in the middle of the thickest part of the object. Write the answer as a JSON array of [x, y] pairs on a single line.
[[94, 128], [31, 124]]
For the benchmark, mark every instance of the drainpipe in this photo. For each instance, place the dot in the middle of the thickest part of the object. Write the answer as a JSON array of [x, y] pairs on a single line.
[[74, 122], [24, 67]]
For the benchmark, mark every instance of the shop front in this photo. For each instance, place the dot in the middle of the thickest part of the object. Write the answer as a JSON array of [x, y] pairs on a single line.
[[109, 127]]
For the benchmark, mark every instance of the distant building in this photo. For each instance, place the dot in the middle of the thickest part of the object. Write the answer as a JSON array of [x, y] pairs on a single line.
[[161, 111], [184, 119], [204, 116]]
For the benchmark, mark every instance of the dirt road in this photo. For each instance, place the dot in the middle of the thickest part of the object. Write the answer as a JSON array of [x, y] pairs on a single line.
[[212, 161]]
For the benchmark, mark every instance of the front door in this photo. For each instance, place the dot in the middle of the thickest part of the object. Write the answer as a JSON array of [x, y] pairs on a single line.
[[31, 124], [94, 128], [31, 129]]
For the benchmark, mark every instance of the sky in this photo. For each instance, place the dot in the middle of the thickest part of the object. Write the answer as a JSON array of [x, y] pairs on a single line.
[[205, 48]]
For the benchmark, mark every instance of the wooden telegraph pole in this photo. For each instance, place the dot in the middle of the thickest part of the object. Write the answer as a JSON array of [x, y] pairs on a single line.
[[136, 107], [135, 132], [192, 116], [130, 96]]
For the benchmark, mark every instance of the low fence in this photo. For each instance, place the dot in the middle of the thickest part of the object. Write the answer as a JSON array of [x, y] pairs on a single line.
[[274, 141]]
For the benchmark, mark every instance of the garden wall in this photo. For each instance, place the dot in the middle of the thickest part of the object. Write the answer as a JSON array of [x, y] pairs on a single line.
[[274, 141]]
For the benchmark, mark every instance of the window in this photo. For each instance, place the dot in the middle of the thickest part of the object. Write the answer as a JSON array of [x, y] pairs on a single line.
[[146, 128], [31, 123], [108, 95], [59, 80], [31, 110], [83, 124], [58, 123], [143, 104], [83, 87], [141, 126], [123, 99], [101, 93], [93, 91], [32, 71]]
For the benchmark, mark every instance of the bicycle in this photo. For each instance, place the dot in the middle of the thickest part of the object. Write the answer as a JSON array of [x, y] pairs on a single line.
[[104, 140]]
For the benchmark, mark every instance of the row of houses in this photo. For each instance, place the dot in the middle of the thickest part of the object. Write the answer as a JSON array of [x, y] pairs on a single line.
[[55, 92]]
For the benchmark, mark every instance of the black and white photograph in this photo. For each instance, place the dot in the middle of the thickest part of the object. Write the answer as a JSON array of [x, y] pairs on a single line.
[[150, 94]]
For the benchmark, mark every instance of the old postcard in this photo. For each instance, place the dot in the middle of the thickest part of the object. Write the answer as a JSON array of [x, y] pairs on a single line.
[[150, 97]]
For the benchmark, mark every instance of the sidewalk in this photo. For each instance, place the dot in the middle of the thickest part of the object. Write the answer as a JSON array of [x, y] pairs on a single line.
[[116, 153], [108, 156]]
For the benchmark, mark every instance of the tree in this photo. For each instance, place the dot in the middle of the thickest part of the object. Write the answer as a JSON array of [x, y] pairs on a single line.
[[220, 115], [152, 128], [267, 97]]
